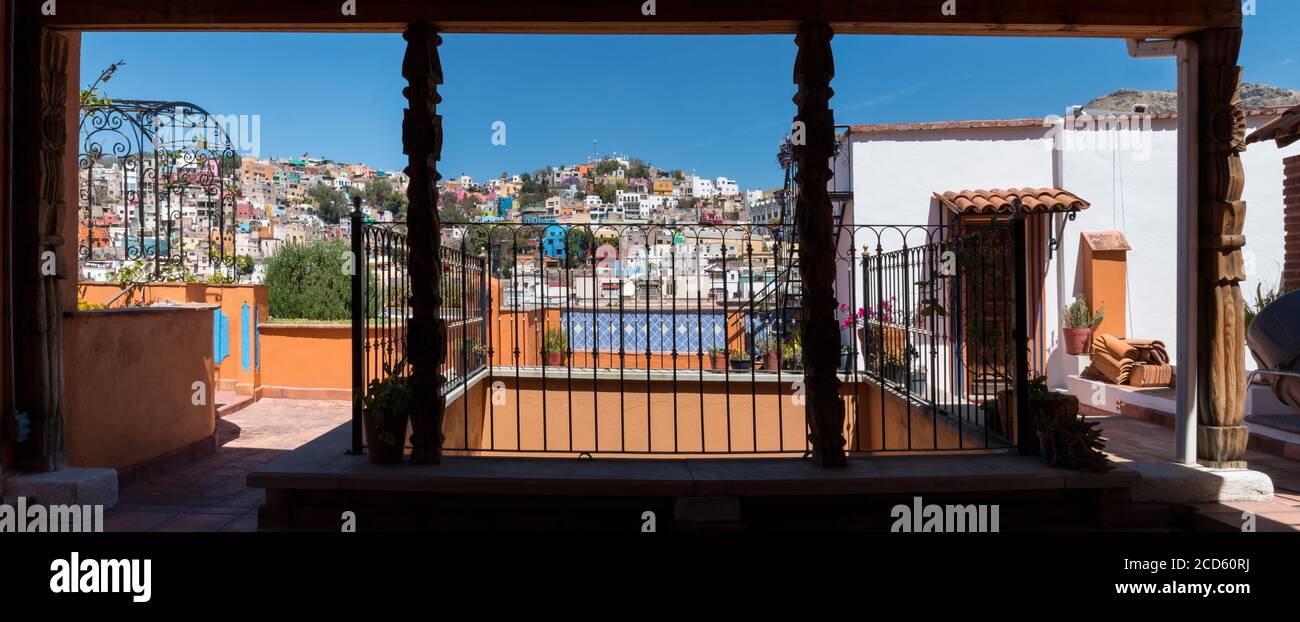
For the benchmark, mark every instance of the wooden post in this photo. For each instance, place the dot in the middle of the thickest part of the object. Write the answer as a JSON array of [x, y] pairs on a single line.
[[425, 333], [813, 69], [359, 309], [1221, 386], [39, 264]]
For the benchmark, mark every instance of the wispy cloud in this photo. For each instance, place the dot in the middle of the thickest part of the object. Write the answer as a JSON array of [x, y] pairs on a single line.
[[1287, 61], [878, 100], [886, 98]]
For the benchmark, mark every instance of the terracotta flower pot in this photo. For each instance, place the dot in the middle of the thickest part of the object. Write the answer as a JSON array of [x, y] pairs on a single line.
[[717, 362], [1078, 341], [385, 443], [770, 361], [554, 359]]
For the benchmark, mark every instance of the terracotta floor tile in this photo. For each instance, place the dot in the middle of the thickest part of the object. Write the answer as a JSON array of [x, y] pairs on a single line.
[[211, 493], [1131, 439]]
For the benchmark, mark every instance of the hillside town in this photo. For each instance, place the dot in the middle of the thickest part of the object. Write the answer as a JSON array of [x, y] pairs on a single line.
[[303, 200]]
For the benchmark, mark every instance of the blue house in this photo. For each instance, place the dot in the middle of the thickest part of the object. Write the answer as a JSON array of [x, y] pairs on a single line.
[[553, 241]]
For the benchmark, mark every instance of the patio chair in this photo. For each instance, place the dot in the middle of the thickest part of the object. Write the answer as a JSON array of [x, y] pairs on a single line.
[[1274, 341]]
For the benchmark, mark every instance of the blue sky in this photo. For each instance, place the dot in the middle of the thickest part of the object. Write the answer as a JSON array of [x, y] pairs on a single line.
[[718, 105]]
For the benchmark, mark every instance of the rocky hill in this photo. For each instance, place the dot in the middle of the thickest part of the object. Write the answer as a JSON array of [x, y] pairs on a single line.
[[1253, 95]]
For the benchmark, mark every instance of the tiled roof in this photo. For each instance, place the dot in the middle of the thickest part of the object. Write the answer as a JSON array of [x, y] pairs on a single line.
[[1033, 200], [1284, 129], [927, 126]]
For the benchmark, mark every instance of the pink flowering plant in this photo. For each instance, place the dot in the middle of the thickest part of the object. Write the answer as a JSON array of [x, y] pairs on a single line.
[[851, 319]]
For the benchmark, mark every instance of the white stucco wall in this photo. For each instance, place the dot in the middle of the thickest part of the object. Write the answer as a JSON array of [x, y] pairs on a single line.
[[1132, 186]]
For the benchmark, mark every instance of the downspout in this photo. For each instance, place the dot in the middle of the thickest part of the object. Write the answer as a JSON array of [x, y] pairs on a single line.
[[1058, 233], [1185, 417]]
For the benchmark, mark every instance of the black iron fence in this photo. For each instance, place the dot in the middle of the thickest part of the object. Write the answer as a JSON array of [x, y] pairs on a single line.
[[932, 320], [681, 339], [381, 293]]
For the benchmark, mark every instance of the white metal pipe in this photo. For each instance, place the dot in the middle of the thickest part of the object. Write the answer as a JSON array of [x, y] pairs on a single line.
[[1185, 417]]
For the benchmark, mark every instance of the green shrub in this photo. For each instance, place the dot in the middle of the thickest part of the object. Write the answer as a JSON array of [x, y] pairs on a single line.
[[310, 282], [1263, 299]]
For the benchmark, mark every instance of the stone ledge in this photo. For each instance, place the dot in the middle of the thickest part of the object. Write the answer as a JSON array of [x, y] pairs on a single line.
[[1184, 483], [322, 465], [67, 486]]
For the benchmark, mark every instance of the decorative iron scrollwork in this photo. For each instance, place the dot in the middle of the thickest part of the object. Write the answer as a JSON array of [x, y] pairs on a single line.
[[150, 172]]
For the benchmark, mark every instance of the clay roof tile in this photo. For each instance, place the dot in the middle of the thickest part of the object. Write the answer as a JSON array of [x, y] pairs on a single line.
[[999, 201], [1284, 129]]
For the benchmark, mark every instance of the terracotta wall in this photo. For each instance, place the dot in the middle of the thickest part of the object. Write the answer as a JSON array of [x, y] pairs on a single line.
[[760, 417], [129, 385], [463, 421], [905, 427], [307, 361], [232, 375], [1291, 209]]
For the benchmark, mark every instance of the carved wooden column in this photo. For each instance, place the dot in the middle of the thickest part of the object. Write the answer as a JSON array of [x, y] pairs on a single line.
[[425, 333], [813, 69], [39, 266], [1221, 386]]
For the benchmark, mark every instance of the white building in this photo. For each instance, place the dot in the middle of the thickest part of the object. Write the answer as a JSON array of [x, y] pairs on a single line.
[[1128, 174], [701, 188], [726, 187]]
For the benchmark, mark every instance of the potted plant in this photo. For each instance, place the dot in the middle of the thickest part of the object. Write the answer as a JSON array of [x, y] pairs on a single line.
[[717, 359], [740, 361], [895, 366], [770, 347], [792, 353], [852, 323], [1065, 439], [475, 354], [1079, 324], [385, 410], [916, 383], [555, 346]]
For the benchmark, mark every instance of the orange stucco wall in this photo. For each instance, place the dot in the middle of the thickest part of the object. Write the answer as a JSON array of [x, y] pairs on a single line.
[[307, 356], [231, 375], [507, 414], [129, 384]]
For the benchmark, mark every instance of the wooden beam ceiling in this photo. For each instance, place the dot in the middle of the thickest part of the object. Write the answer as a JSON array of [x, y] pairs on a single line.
[[1038, 18]]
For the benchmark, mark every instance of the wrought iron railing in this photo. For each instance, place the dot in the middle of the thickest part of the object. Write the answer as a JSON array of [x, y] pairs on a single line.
[[646, 339], [932, 317]]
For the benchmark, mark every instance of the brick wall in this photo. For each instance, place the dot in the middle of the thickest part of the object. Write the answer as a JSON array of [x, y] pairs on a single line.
[[1291, 209]]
